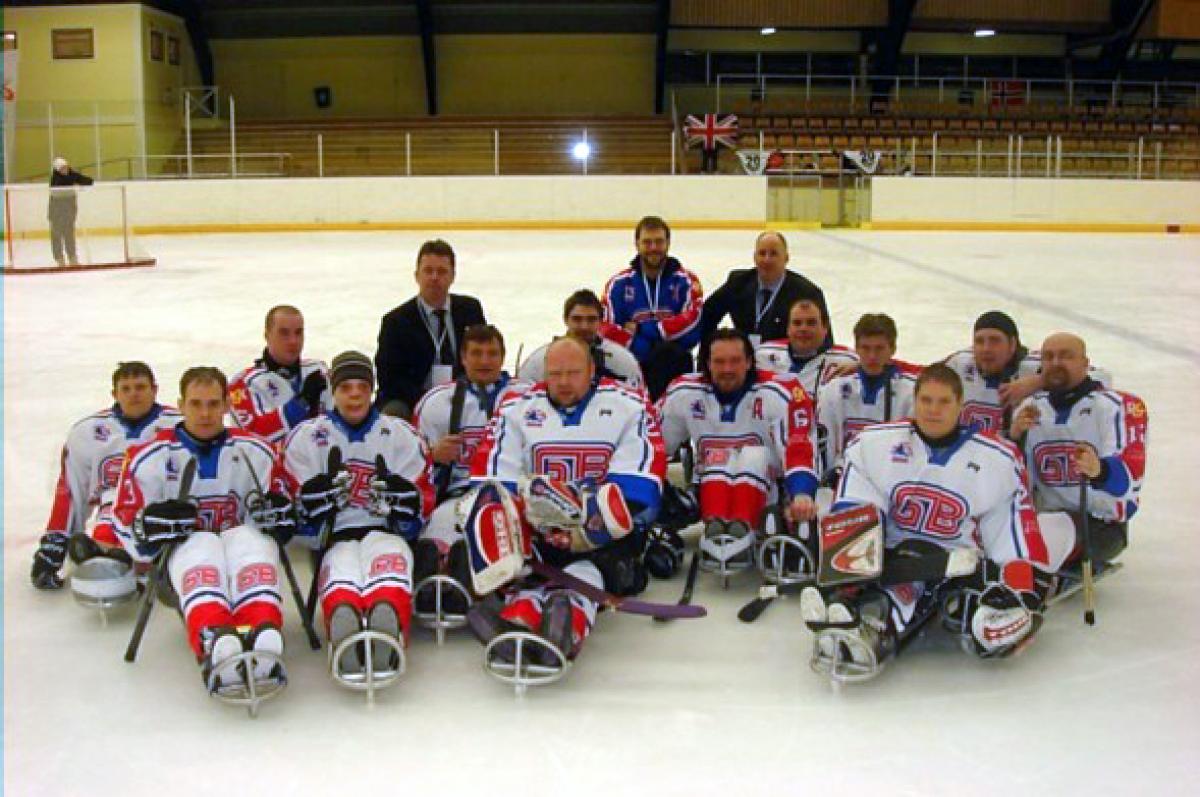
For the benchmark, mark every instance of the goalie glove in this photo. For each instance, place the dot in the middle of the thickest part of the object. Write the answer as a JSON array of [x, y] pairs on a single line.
[[397, 499], [273, 514], [580, 516], [1007, 612], [164, 522]]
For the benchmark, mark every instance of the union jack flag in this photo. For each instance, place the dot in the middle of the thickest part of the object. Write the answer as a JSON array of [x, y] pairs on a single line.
[[711, 131]]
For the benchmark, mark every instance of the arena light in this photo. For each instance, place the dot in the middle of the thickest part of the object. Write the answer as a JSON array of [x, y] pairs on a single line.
[[581, 151], [767, 31], [984, 33]]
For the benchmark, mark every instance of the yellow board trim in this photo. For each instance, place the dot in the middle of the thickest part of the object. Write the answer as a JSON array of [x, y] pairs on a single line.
[[1030, 226], [171, 229]]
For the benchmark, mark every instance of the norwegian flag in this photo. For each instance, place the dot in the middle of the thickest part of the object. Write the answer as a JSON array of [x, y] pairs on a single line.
[[1007, 93], [711, 131]]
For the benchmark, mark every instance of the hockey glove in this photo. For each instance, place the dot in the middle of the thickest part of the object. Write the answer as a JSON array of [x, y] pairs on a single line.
[[1007, 612], [164, 522], [321, 496], [310, 392], [397, 499], [274, 514], [48, 560], [664, 552]]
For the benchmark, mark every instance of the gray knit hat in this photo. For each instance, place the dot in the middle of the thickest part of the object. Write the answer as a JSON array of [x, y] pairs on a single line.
[[351, 365]]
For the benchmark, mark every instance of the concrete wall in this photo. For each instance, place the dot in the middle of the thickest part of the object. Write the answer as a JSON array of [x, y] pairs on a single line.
[[968, 202], [415, 202]]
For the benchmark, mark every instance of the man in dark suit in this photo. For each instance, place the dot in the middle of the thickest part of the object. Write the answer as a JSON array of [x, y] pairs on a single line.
[[418, 341], [758, 299]]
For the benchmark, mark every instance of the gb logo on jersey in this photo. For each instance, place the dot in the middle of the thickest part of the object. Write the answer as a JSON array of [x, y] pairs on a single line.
[[570, 462], [259, 574], [217, 513], [1054, 463], [197, 577], [926, 509]]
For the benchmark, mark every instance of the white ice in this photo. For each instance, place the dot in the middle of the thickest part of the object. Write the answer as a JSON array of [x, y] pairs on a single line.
[[708, 706]]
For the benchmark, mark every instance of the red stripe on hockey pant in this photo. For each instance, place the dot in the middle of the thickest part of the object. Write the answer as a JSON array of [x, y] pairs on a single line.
[[747, 504], [60, 510], [396, 597], [105, 534], [209, 614], [580, 628], [337, 597], [524, 612], [256, 613], [715, 498]]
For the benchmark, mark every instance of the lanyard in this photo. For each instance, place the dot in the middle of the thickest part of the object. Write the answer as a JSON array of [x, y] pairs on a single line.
[[758, 317], [438, 340], [653, 300]]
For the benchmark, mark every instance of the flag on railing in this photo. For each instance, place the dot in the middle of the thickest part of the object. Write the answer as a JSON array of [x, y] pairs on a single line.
[[711, 131], [758, 161], [1007, 93], [865, 160]]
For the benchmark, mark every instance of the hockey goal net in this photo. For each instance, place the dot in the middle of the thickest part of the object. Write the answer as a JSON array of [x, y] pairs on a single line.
[[69, 229]]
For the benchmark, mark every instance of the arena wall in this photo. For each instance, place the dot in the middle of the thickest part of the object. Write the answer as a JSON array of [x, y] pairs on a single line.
[[408, 202], [1037, 204]]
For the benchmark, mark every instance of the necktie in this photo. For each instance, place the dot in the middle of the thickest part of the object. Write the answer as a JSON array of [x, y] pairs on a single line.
[[446, 350]]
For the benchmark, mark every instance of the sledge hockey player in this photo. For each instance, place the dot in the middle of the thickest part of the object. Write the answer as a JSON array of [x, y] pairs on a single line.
[[1075, 429], [582, 313], [222, 564], [87, 481], [807, 351], [282, 388], [452, 419], [653, 308], [949, 525], [362, 516], [878, 391], [749, 429], [577, 464]]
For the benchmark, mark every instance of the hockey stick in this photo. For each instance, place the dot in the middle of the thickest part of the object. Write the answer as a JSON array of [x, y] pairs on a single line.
[[689, 585], [159, 569], [305, 619], [669, 611], [1089, 582], [456, 411], [334, 464]]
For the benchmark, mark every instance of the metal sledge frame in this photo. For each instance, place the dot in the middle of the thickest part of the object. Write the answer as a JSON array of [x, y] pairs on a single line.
[[438, 621], [250, 692], [369, 679], [519, 673]]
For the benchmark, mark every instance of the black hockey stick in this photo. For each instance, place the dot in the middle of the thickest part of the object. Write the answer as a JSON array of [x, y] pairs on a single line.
[[1089, 582], [456, 411], [158, 570], [334, 464], [689, 584], [616, 602], [305, 619]]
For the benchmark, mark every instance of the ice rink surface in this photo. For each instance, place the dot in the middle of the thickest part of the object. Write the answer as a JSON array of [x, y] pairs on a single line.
[[707, 706]]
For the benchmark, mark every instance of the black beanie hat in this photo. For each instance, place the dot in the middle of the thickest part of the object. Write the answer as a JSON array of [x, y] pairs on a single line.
[[351, 365], [994, 319]]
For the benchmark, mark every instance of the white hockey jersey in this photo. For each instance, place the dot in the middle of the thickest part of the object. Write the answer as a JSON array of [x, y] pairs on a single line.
[[224, 479], [619, 363], [971, 493], [982, 406], [1115, 425], [813, 372], [610, 435], [305, 454], [773, 411], [265, 402], [848, 404], [432, 419], [91, 464]]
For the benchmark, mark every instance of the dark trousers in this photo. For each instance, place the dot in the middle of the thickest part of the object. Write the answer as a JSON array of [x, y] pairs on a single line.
[[1109, 538], [665, 361]]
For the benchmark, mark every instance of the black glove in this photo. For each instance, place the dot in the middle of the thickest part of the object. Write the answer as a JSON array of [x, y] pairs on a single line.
[[664, 552], [396, 498], [314, 385], [322, 495], [164, 522], [274, 514], [48, 560]]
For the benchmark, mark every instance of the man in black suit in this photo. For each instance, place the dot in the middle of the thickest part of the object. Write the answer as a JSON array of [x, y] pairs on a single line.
[[418, 341], [757, 299]]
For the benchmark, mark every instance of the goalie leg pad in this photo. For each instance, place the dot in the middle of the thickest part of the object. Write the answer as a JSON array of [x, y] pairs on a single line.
[[496, 539], [851, 545]]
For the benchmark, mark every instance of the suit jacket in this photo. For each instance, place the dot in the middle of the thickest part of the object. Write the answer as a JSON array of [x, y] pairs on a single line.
[[406, 351], [738, 298]]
